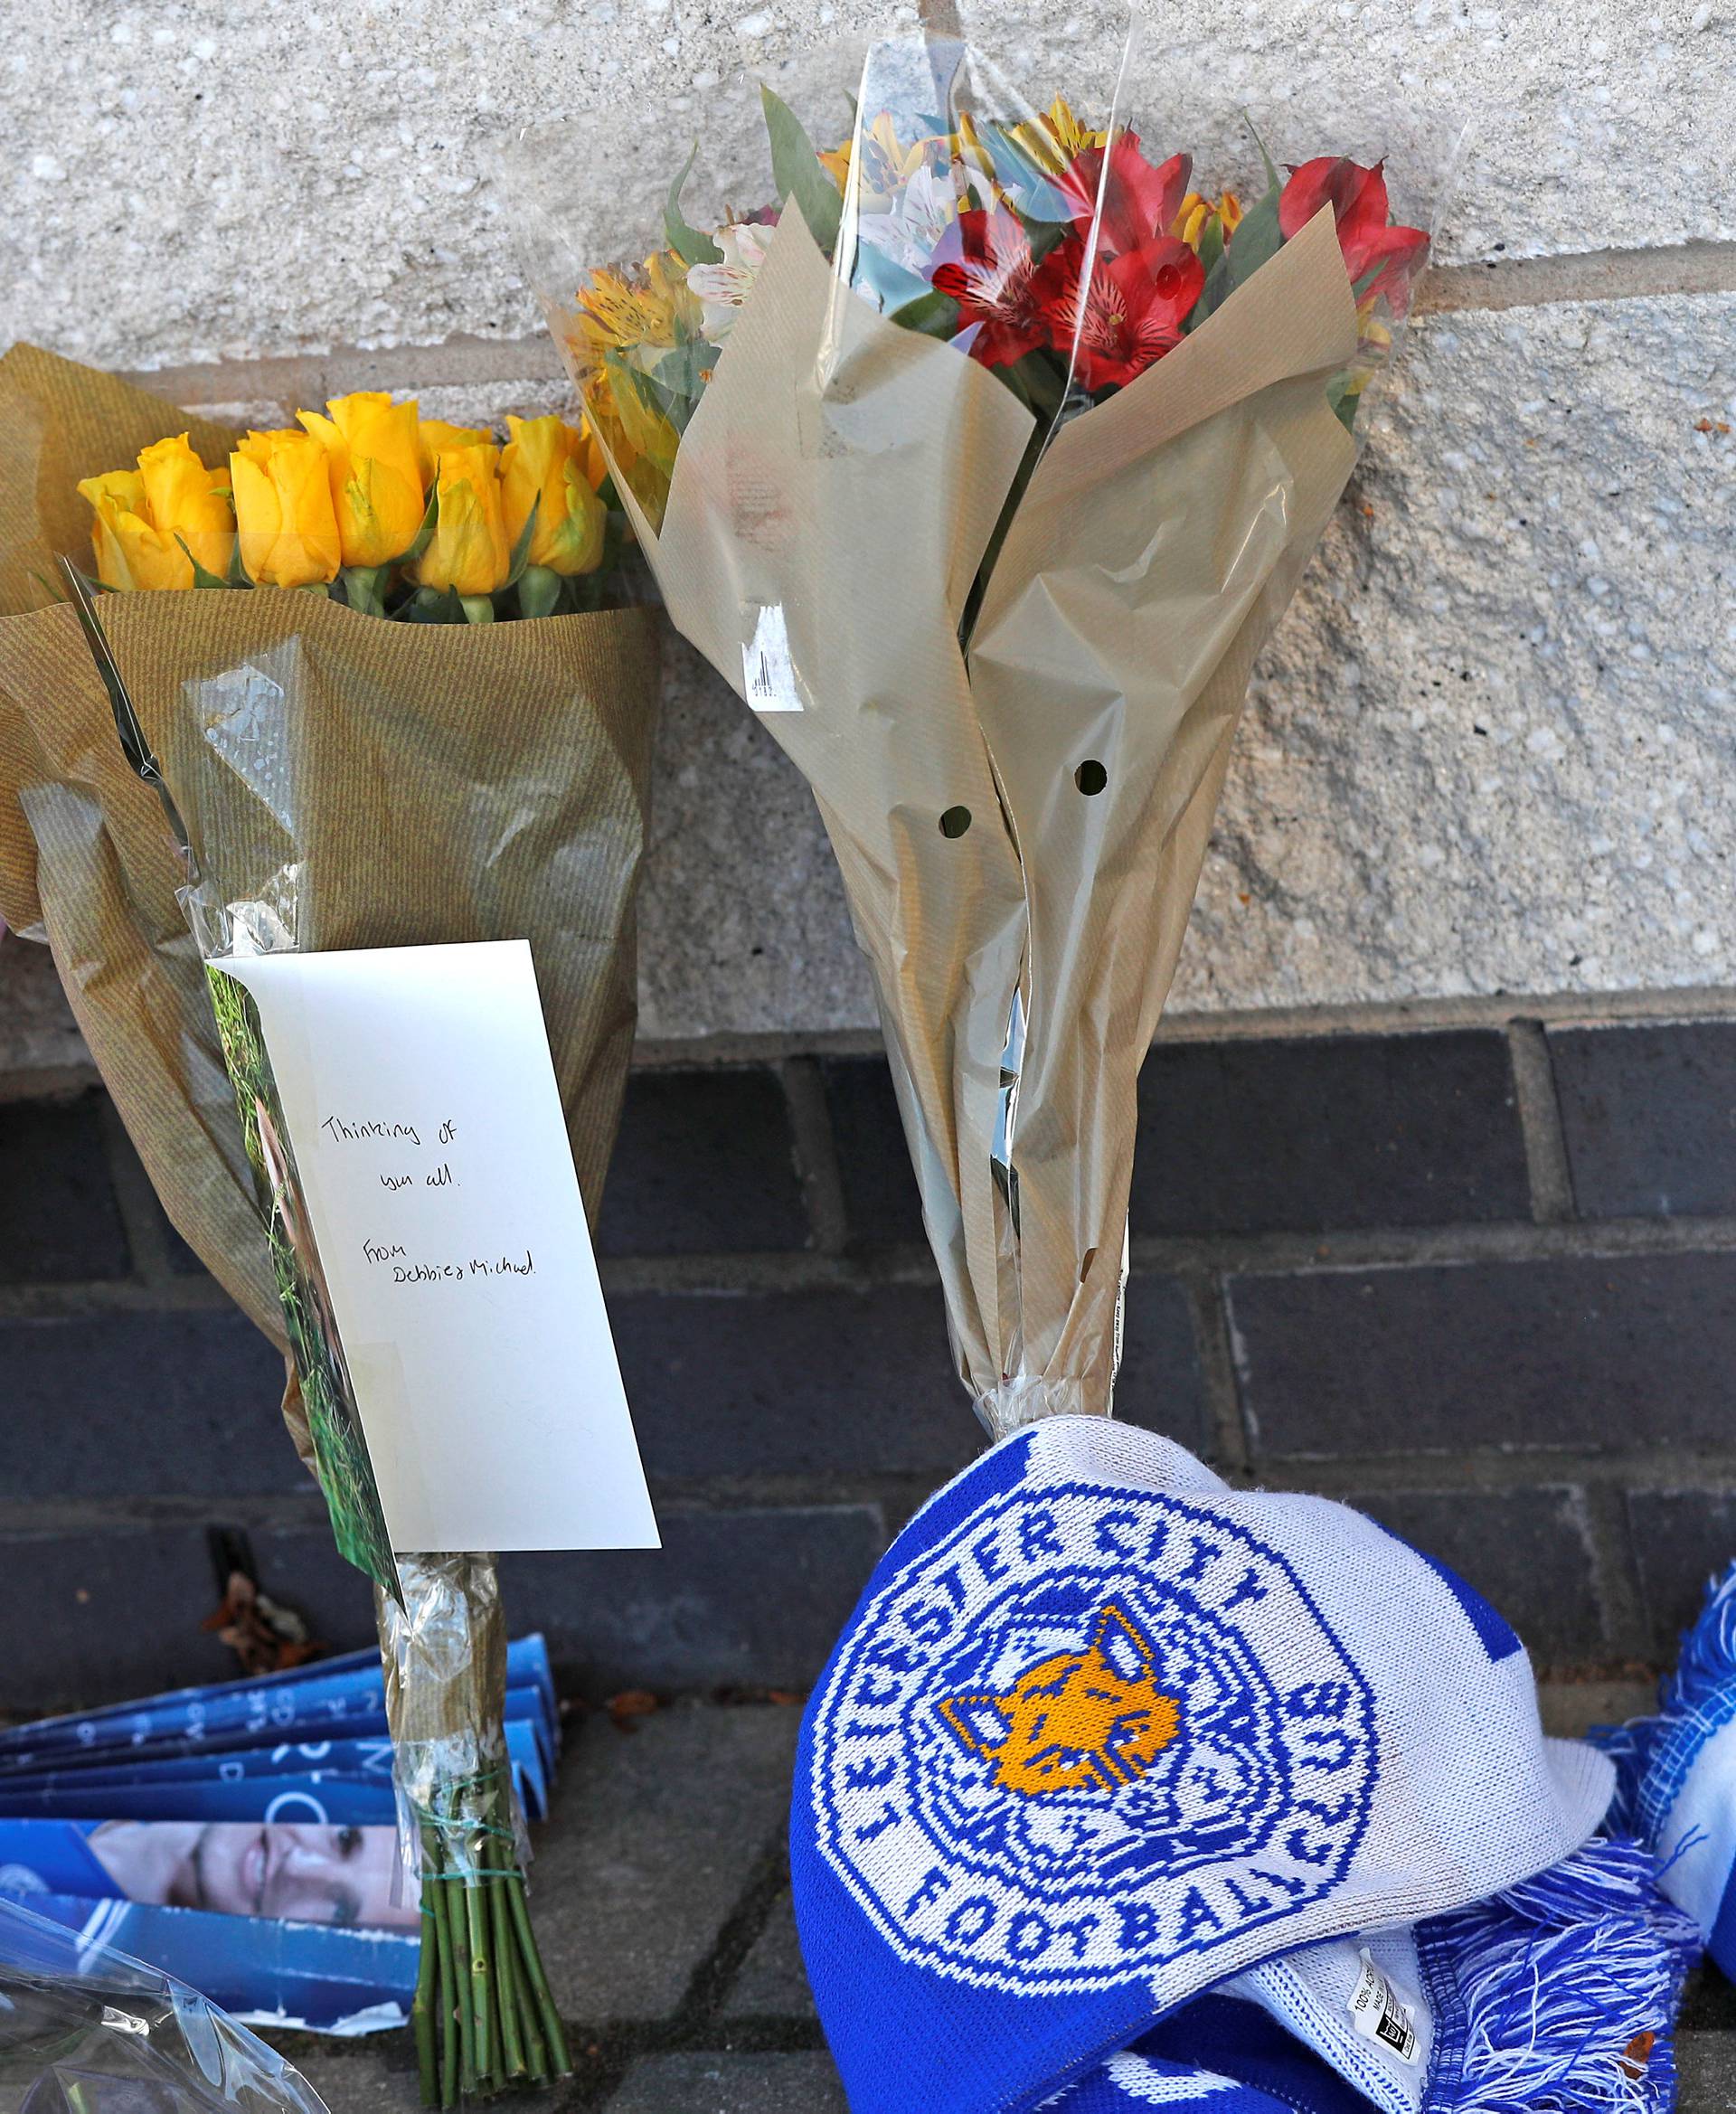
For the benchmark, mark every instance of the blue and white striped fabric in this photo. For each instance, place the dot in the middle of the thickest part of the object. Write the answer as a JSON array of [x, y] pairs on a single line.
[[1560, 1994], [1678, 1774]]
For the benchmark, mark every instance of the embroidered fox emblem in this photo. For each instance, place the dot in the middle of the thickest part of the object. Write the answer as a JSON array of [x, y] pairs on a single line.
[[1096, 1717]]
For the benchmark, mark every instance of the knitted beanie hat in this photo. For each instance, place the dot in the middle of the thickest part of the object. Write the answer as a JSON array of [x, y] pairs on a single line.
[[1104, 1732]]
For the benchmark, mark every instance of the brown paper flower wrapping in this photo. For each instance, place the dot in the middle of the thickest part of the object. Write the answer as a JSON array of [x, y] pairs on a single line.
[[399, 785], [834, 496]]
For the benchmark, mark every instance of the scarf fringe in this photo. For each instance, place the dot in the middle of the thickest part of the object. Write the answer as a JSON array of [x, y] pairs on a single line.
[[1570, 1984], [1653, 1755]]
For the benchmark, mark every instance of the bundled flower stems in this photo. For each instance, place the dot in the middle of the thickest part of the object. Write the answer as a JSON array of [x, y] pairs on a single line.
[[350, 754]]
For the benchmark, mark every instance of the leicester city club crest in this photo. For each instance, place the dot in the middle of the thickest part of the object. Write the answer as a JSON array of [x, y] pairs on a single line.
[[1089, 1732]]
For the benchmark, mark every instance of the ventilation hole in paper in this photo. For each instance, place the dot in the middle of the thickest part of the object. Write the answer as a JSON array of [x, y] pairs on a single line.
[[955, 822], [1091, 777], [1085, 1267]]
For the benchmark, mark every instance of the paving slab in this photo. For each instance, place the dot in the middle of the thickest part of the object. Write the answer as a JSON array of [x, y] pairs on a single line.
[[731, 2084], [1708, 2073], [773, 1982], [652, 1839], [371, 2079]]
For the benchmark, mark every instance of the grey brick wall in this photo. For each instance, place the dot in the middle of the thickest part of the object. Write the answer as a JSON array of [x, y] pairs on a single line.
[[1470, 1269]]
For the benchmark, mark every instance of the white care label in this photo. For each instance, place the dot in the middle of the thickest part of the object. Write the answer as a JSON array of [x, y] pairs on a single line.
[[1378, 2015], [445, 1232], [768, 671]]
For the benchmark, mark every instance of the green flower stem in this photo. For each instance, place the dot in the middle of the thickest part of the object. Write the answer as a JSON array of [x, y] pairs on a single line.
[[550, 2018], [449, 2013], [512, 2045], [448, 1891], [421, 2010], [475, 1910]]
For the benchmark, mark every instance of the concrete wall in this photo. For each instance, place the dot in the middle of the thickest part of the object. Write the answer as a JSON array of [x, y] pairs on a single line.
[[1490, 751]]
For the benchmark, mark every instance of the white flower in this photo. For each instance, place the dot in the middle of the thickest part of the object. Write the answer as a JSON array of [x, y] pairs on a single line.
[[723, 288], [919, 215]]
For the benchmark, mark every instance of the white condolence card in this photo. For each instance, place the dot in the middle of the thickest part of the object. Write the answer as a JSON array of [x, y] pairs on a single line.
[[419, 1096]]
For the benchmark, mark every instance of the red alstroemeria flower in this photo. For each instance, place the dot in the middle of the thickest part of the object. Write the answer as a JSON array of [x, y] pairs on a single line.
[[984, 261], [1357, 197], [1131, 313], [1396, 259], [1140, 200]]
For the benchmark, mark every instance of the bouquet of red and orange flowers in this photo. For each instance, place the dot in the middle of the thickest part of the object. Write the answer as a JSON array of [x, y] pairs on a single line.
[[1011, 379], [1062, 256]]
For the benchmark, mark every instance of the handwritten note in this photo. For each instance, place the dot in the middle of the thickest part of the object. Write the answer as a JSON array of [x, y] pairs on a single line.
[[421, 1103]]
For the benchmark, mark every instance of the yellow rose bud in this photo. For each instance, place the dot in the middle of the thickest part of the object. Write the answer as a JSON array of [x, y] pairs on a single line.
[[131, 551], [470, 551], [543, 466], [283, 510], [372, 452], [437, 437], [188, 501], [118, 500]]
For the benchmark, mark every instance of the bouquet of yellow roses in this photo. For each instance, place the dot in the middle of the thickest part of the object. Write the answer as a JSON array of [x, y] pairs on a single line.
[[367, 502], [363, 760]]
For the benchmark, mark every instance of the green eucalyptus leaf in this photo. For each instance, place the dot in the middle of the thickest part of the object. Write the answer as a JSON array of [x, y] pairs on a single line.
[[796, 172], [477, 609], [687, 243]]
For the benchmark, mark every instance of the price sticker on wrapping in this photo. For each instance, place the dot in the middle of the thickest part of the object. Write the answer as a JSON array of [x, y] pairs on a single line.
[[768, 667], [428, 1186]]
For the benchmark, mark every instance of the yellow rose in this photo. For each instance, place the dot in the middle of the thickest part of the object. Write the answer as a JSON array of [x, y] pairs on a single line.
[[437, 437], [186, 500], [283, 510], [542, 465], [470, 551], [127, 549], [374, 453]]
